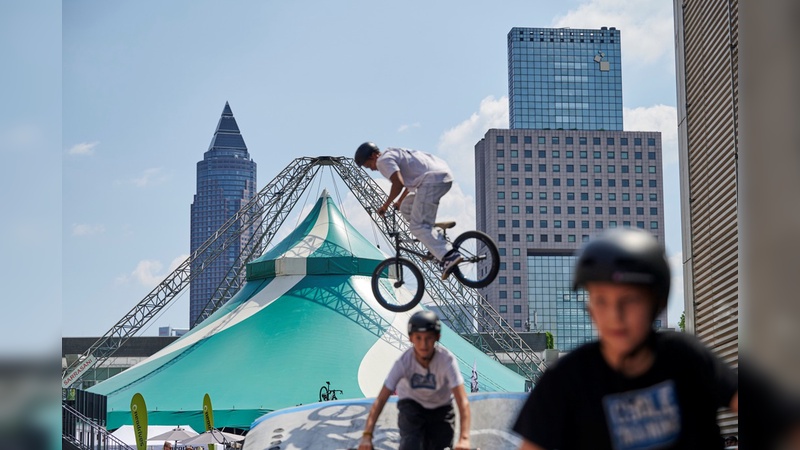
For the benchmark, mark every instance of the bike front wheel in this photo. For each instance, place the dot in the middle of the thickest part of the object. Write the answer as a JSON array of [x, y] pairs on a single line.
[[481, 259], [397, 284]]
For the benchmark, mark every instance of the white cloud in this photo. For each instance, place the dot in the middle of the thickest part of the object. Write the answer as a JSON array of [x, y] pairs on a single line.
[[150, 273], [406, 127], [457, 145], [84, 229], [675, 306], [646, 26], [82, 149], [149, 177], [661, 118]]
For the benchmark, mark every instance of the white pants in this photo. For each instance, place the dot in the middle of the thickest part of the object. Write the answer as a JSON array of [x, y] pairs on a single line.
[[419, 209]]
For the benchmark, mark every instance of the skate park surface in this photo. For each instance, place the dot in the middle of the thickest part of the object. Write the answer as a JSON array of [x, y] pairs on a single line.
[[339, 424]]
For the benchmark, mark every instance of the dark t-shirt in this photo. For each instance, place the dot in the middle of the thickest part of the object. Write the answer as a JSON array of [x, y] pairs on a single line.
[[580, 402]]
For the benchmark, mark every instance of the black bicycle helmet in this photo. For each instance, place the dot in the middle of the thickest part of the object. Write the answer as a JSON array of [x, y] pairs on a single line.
[[424, 321], [625, 255], [364, 151]]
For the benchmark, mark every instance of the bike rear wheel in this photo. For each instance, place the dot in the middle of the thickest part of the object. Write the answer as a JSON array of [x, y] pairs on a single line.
[[481, 259], [323, 394], [397, 284]]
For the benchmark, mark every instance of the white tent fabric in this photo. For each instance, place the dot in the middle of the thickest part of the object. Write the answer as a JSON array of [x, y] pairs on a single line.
[[125, 434]]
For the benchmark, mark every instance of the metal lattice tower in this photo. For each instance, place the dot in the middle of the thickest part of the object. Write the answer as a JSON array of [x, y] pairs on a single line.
[[265, 214]]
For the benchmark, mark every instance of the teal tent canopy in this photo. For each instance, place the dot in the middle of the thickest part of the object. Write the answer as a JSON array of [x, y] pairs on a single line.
[[305, 316]]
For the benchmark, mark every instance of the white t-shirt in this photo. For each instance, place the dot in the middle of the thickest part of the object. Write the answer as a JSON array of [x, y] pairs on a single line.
[[416, 167], [431, 387]]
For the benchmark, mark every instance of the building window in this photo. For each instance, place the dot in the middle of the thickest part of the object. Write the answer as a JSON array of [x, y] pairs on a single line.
[[556, 195], [598, 169], [503, 308], [623, 155], [651, 155], [515, 181], [502, 280], [612, 224], [514, 252], [568, 140], [653, 225], [529, 224], [543, 210], [554, 140], [501, 181], [610, 155], [517, 294], [610, 141], [515, 167], [514, 153], [542, 238], [528, 238], [556, 181], [651, 169], [596, 154], [598, 224], [612, 182], [584, 224], [612, 196], [542, 181], [528, 167], [517, 323], [517, 308], [639, 197], [542, 224], [652, 183], [516, 266], [583, 154], [637, 141], [501, 251], [570, 168], [626, 197], [595, 141], [570, 196], [651, 142], [612, 210], [584, 196], [639, 211], [623, 141], [528, 153], [611, 169], [514, 209], [542, 167], [501, 237], [542, 154], [598, 210], [514, 140], [514, 238], [515, 223], [626, 210], [501, 209], [570, 182], [514, 195], [499, 139], [653, 211], [542, 140], [626, 182], [640, 224], [556, 224], [527, 139], [501, 195], [501, 167], [501, 153], [570, 238], [501, 223], [529, 209], [653, 197], [582, 140], [570, 154], [639, 183], [584, 168], [570, 224], [556, 168], [584, 210]]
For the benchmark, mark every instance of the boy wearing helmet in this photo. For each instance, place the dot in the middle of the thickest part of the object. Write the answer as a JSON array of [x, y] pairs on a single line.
[[633, 388], [427, 379], [419, 181]]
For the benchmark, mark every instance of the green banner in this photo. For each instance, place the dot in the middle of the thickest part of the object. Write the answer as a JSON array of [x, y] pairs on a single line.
[[139, 414]]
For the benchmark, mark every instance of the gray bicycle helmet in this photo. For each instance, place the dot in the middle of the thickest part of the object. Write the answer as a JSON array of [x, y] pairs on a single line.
[[625, 255], [364, 151], [424, 321]]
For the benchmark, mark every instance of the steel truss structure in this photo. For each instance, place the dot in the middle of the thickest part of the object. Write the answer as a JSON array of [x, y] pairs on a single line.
[[265, 214]]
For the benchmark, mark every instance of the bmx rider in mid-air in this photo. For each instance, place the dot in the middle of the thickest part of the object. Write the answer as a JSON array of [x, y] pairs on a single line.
[[419, 180]]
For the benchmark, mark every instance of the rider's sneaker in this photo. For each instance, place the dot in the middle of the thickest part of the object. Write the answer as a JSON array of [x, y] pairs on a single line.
[[450, 261]]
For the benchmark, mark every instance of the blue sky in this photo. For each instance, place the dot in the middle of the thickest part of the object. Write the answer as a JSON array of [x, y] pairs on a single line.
[[144, 84]]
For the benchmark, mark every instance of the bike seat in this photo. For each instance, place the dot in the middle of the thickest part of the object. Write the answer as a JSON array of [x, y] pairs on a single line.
[[445, 225]]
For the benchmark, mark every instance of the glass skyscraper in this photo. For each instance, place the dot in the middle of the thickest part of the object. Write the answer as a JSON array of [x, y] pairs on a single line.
[[226, 181], [564, 172], [564, 78]]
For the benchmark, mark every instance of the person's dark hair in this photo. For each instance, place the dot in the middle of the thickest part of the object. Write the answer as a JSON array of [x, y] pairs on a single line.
[[364, 151], [424, 321], [625, 255]]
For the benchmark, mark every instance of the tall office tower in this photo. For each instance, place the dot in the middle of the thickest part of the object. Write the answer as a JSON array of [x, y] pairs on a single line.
[[565, 79], [564, 172], [226, 181], [708, 135], [542, 193]]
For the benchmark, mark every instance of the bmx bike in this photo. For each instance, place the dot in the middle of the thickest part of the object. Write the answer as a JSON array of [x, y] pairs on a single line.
[[326, 393], [478, 269]]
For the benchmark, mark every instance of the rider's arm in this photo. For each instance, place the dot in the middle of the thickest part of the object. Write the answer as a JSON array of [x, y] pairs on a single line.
[[463, 411], [400, 199], [397, 187], [374, 412]]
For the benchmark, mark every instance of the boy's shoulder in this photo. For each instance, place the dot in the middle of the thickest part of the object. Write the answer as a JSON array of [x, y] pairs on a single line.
[[577, 361]]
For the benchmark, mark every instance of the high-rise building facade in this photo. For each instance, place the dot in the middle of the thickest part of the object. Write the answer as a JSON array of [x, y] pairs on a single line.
[[707, 39], [563, 173], [226, 181], [565, 79], [541, 194]]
